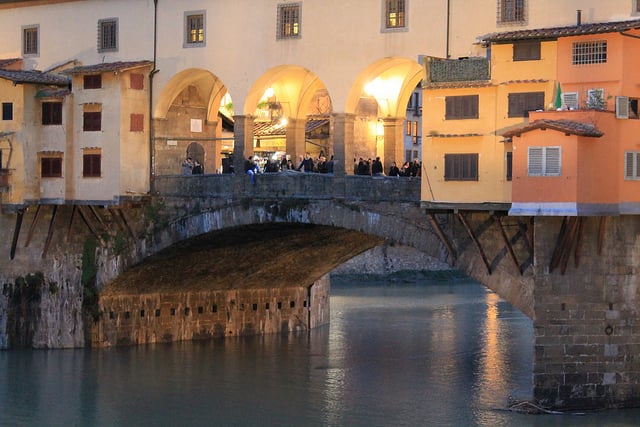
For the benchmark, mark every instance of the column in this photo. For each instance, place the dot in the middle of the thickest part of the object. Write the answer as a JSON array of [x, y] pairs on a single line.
[[342, 135], [242, 141], [295, 139], [393, 142]]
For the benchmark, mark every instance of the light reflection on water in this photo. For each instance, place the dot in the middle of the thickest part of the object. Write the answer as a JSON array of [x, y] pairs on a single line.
[[437, 354]]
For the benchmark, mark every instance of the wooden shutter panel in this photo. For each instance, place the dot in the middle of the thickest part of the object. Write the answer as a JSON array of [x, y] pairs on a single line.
[[570, 99], [535, 161], [622, 107], [552, 161]]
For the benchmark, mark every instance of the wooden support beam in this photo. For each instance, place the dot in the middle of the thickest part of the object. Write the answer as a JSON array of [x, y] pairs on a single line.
[[505, 238], [47, 241], [579, 238], [443, 238], [16, 233], [98, 217], [476, 241], [73, 214], [568, 244], [91, 228], [32, 228], [601, 232], [557, 251], [126, 223]]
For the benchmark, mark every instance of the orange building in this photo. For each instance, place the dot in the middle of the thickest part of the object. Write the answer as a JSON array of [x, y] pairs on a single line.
[[583, 156]]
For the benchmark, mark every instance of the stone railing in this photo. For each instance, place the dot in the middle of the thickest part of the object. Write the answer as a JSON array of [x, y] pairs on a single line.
[[291, 185]]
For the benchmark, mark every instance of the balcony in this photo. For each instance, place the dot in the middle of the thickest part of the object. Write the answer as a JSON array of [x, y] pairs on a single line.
[[5, 174], [438, 70]]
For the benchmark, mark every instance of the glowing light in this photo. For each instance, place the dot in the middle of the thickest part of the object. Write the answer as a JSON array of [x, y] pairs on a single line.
[[269, 92]]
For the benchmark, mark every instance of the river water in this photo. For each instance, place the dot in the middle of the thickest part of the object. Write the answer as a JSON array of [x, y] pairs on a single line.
[[427, 354]]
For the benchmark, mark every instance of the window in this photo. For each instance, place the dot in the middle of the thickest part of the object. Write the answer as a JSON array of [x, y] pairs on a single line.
[[461, 167], [137, 123], [632, 165], [194, 24], [136, 81], [7, 111], [595, 99], [521, 103], [288, 21], [408, 128], [512, 11], [509, 166], [526, 51], [91, 163], [51, 167], [30, 40], [461, 107], [395, 15], [108, 35], [92, 121], [92, 81], [626, 108], [594, 52], [544, 161], [570, 100], [52, 113]]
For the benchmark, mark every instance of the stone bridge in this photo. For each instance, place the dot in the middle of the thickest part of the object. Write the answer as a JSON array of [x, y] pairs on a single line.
[[575, 277]]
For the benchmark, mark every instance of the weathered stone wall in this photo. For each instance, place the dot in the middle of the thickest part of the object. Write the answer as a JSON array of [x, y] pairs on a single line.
[[182, 316]]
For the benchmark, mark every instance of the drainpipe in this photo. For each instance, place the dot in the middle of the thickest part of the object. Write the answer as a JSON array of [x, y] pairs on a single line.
[[448, 27], [152, 179]]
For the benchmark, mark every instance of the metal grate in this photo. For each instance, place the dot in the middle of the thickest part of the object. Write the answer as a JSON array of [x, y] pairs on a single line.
[[593, 52], [288, 25], [512, 12]]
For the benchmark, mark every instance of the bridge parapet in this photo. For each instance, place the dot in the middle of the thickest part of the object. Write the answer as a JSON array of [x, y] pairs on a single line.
[[291, 184]]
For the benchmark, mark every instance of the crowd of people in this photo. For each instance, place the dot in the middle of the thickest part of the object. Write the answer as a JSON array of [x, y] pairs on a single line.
[[309, 164]]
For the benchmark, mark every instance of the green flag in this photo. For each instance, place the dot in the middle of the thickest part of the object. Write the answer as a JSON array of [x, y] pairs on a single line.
[[558, 97]]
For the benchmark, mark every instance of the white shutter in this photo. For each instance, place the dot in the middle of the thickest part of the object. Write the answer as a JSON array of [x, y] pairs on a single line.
[[622, 107], [552, 161], [570, 100], [535, 161]]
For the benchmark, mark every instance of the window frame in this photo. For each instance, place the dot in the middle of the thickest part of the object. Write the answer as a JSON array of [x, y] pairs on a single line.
[[92, 121], [455, 108], [200, 37], [110, 26], [51, 166], [545, 161], [51, 113], [530, 50], [92, 81], [7, 111], [283, 32], [30, 48], [634, 173], [512, 12], [589, 52], [521, 103], [92, 164], [401, 21], [508, 165], [465, 167], [136, 122]]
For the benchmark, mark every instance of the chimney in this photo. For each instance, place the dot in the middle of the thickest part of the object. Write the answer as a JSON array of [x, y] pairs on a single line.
[[578, 17]]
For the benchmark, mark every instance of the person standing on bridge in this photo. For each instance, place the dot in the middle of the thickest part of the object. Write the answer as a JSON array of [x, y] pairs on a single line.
[[187, 166], [250, 168]]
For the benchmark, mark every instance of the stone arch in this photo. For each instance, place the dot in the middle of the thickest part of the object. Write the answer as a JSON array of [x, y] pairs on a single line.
[[189, 109], [378, 99]]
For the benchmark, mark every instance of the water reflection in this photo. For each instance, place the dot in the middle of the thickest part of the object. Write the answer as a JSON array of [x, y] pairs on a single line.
[[435, 354]]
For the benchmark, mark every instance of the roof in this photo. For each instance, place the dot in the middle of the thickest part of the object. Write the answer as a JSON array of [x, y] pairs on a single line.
[[568, 127], [108, 66], [4, 63], [555, 32], [35, 77], [275, 128]]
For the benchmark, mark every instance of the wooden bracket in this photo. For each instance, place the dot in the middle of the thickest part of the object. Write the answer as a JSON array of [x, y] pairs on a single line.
[[476, 241], [443, 238], [505, 238]]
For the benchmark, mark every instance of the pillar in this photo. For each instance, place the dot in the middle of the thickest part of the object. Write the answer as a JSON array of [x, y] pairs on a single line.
[[342, 136], [393, 142], [242, 141], [295, 138]]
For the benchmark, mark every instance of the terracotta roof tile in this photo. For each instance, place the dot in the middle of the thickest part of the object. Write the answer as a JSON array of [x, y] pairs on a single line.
[[35, 77], [4, 63], [108, 66], [568, 127], [555, 32], [454, 135]]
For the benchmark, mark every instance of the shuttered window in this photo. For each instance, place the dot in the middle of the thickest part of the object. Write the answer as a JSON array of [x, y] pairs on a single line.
[[544, 161], [570, 100], [461, 107], [632, 165], [526, 51], [461, 167], [509, 166], [51, 167], [92, 121], [91, 165], [52, 113], [521, 103], [92, 81]]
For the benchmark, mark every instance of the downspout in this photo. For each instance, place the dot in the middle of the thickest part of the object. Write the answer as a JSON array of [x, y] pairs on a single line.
[[448, 27], [152, 179]]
